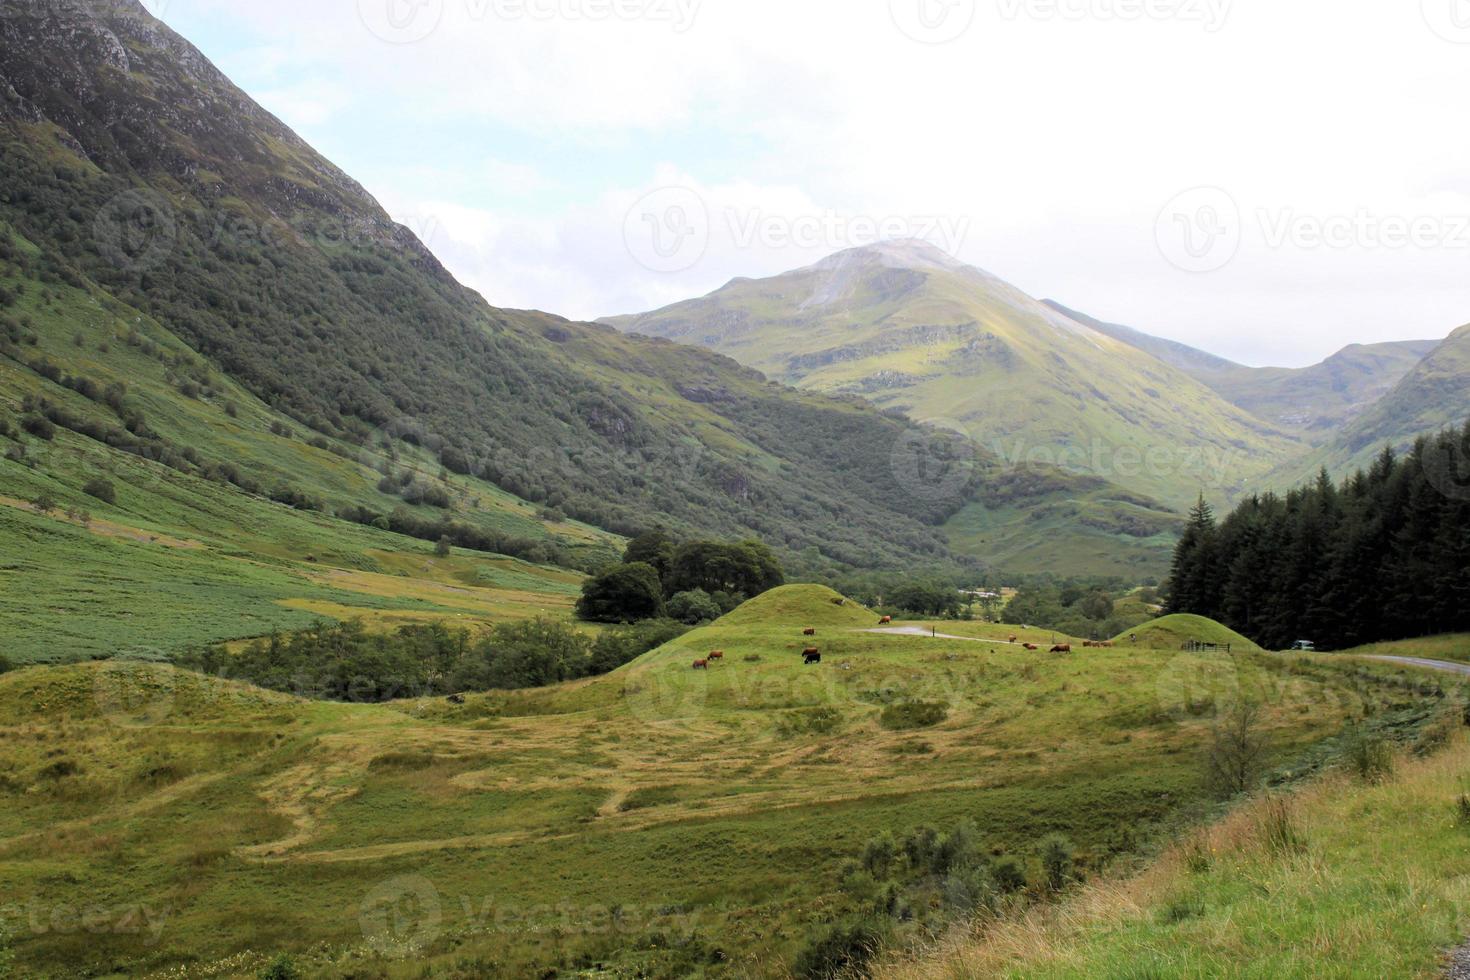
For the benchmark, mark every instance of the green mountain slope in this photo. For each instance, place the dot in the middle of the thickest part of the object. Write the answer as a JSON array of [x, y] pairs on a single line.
[[1313, 401], [1433, 396], [138, 178], [910, 328]]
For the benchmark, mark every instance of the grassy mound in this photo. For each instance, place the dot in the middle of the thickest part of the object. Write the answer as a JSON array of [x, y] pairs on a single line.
[[1172, 632], [801, 606]]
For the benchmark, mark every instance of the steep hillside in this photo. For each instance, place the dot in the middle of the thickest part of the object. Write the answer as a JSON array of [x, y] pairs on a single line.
[[907, 326], [659, 821], [1314, 401], [1433, 396], [137, 180]]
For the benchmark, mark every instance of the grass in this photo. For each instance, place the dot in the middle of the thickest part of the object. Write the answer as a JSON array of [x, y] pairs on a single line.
[[712, 808], [1172, 632], [1343, 880]]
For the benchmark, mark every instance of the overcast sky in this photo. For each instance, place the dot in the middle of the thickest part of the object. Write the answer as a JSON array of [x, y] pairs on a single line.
[[1268, 179]]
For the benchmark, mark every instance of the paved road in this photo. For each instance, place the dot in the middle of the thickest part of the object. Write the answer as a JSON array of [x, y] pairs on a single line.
[[1441, 665]]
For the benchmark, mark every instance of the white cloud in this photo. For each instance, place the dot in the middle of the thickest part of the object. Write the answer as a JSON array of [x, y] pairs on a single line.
[[1057, 139]]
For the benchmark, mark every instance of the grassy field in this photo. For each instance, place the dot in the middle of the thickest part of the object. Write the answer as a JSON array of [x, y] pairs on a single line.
[[1345, 879], [660, 818]]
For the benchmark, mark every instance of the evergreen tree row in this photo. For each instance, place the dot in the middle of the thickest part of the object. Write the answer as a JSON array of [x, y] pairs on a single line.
[[1385, 555]]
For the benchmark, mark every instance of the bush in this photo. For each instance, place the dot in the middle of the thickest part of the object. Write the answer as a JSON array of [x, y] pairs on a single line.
[[102, 489], [1236, 751], [1009, 876], [694, 608], [622, 594], [1370, 757], [44, 503], [5, 665], [1058, 861], [39, 426], [281, 968], [444, 547], [845, 950]]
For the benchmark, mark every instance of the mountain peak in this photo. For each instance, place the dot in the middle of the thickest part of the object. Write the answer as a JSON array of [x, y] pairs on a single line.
[[897, 253]]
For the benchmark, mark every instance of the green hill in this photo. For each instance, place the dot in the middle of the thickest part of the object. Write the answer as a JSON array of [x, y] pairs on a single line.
[[156, 211], [715, 809], [1314, 402], [907, 326], [1172, 632]]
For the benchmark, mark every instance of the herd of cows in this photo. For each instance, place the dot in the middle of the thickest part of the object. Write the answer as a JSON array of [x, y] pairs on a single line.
[[813, 655]]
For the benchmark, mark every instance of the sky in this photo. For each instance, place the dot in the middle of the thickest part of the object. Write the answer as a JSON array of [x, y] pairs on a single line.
[[1268, 180]]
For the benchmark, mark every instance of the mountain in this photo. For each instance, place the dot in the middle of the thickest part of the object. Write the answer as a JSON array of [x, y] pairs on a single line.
[[907, 326], [133, 171], [1314, 402]]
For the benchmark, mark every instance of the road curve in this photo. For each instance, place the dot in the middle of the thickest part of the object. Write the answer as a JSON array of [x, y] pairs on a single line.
[[1444, 666]]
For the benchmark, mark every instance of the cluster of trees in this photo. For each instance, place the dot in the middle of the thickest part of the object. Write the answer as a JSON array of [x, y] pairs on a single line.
[[925, 881], [692, 581], [1077, 608], [346, 662], [1383, 555]]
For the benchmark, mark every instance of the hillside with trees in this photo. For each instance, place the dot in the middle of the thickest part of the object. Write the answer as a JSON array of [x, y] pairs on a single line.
[[1383, 555]]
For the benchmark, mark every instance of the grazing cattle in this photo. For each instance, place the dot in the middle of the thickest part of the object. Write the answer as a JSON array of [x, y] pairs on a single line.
[[839, 602], [812, 657], [811, 650], [717, 655], [456, 699], [885, 620], [1061, 648], [808, 632], [701, 665], [1088, 643], [1031, 646], [1013, 639]]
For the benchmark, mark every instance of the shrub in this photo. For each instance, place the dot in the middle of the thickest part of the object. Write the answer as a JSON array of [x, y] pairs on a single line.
[[1370, 757], [44, 503], [281, 968], [1058, 861], [102, 489], [1462, 805], [444, 547], [1009, 876], [5, 665], [622, 594], [1236, 751], [39, 426], [844, 950], [694, 607]]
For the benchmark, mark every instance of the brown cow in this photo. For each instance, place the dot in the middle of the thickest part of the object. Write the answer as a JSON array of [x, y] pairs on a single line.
[[885, 620], [1031, 646], [1014, 639], [1061, 648], [809, 631], [811, 650], [1088, 643], [717, 655], [701, 665]]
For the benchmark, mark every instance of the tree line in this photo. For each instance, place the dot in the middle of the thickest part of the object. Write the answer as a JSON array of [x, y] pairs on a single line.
[[1384, 555], [690, 581]]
